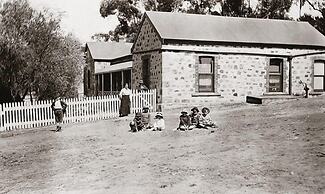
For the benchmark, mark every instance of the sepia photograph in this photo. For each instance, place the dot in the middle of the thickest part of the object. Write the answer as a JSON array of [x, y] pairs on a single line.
[[162, 96]]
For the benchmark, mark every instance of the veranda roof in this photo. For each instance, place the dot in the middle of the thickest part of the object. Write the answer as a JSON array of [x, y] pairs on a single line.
[[108, 50]]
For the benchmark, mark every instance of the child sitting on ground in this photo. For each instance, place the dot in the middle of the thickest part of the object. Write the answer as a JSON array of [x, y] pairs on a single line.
[[146, 118], [185, 121], [195, 116], [205, 120], [159, 122], [137, 124]]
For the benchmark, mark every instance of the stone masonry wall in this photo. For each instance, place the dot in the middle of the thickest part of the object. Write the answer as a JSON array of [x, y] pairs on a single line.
[[243, 75], [89, 88], [237, 75], [155, 71], [147, 45], [303, 69], [178, 78], [148, 39]]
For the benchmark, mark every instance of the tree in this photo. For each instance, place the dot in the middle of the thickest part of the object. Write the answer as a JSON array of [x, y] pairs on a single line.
[[273, 9], [319, 21], [129, 12], [34, 54]]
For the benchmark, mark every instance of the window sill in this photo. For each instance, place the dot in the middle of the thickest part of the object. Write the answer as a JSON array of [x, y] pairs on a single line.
[[274, 94], [205, 94]]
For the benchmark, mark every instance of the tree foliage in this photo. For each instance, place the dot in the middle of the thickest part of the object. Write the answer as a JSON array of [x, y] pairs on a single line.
[[319, 21], [129, 12], [35, 56], [275, 9]]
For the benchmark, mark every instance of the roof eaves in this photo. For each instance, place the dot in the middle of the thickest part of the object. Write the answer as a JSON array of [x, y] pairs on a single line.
[[111, 59], [209, 42]]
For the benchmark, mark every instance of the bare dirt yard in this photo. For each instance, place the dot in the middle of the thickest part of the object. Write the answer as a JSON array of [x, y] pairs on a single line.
[[277, 147]]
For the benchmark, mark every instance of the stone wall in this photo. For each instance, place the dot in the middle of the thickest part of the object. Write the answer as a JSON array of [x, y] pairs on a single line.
[[155, 69], [302, 69], [237, 75], [89, 88], [178, 77], [148, 39], [241, 75], [148, 45]]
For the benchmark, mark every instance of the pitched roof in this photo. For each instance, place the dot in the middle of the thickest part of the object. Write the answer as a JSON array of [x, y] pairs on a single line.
[[180, 26], [108, 50]]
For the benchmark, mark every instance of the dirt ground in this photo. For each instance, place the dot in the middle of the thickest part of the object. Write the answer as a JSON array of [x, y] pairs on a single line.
[[277, 147]]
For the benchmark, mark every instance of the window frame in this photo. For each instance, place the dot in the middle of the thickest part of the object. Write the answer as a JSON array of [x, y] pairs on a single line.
[[212, 74], [323, 76], [279, 74]]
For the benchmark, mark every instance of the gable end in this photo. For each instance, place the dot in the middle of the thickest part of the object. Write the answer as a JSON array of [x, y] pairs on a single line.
[[148, 37]]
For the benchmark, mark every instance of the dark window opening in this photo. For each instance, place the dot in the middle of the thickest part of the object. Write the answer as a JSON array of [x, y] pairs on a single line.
[[99, 82], [146, 71], [127, 77], [88, 79], [107, 82], [116, 81]]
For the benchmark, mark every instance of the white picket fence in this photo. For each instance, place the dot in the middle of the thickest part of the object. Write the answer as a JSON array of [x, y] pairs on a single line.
[[20, 115]]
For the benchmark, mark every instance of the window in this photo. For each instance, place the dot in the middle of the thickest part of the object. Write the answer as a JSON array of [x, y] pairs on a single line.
[[276, 75], [107, 82], [206, 74], [127, 77], [117, 81], [319, 76], [99, 82], [146, 71]]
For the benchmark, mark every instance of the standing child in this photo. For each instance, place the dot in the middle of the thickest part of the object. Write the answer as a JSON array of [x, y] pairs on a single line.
[[185, 121], [205, 120], [159, 122], [195, 117], [137, 124], [59, 108]]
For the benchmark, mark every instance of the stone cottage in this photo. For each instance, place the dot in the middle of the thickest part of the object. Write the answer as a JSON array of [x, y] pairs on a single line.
[[108, 67], [201, 59]]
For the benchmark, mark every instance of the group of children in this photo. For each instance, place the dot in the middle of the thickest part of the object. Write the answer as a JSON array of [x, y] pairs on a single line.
[[195, 119], [142, 120]]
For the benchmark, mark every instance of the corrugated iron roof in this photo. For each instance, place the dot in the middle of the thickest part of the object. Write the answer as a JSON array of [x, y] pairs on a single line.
[[108, 50], [196, 27]]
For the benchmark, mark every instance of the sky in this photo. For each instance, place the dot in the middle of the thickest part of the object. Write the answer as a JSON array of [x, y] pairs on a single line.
[[80, 17]]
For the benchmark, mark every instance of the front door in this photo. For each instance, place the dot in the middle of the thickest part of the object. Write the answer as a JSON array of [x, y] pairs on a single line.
[[146, 71], [276, 75]]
